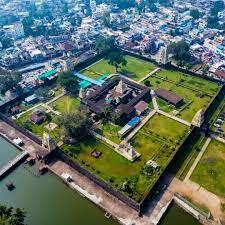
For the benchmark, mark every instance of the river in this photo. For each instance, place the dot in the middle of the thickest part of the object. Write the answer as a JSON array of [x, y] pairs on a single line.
[[48, 201]]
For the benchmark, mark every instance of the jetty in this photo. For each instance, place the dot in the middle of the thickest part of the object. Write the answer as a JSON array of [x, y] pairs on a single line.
[[12, 164]]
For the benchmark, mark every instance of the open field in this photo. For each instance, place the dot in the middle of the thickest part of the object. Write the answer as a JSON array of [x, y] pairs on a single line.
[[153, 142], [62, 105], [198, 83], [66, 104], [135, 68], [38, 130], [210, 169], [191, 92]]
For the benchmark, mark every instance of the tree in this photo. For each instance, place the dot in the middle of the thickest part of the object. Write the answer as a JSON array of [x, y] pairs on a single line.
[[103, 45], [116, 59], [106, 20], [76, 124], [195, 13], [217, 7], [213, 22], [180, 51], [9, 80], [69, 82], [9, 216]]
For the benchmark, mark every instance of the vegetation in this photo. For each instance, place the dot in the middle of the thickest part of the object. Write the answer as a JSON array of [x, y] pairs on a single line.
[[75, 124], [104, 45], [157, 140], [196, 92], [10, 216], [180, 51], [134, 69], [209, 171], [9, 80], [116, 59], [195, 13], [69, 82]]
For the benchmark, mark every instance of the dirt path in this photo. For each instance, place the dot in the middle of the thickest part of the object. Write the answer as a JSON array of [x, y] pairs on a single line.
[[197, 159]]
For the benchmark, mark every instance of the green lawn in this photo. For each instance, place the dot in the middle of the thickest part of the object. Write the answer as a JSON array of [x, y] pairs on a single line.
[[115, 169], [110, 131], [199, 101], [135, 68], [210, 169], [198, 83], [66, 104], [38, 130]]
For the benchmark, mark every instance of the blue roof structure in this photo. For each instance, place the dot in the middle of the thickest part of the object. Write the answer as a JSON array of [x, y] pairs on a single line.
[[92, 81], [134, 121]]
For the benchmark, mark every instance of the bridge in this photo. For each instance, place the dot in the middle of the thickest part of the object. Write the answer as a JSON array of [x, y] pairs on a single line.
[[12, 164]]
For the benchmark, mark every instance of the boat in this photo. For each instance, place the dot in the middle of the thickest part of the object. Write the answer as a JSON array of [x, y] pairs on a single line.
[[10, 186]]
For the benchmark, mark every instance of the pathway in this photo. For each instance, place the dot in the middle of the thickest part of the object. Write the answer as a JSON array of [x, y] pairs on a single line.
[[216, 137], [12, 163], [150, 74], [174, 118], [142, 123], [154, 101], [197, 159], [40, 104]]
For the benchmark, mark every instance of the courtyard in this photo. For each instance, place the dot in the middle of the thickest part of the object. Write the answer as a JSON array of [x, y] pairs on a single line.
[[135, 68]]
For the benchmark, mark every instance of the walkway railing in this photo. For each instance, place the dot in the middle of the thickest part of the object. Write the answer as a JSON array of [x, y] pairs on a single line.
[[12, 163]]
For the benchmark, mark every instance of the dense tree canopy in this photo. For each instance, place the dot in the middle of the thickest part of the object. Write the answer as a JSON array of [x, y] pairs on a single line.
[[69, 82], [116, 59], [76, 124], [195, 13], [180, 51], [104, 45], [9, 216], [9, 80]]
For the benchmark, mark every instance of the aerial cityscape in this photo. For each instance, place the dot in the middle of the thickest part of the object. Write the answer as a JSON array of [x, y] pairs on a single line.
[[112, 112]]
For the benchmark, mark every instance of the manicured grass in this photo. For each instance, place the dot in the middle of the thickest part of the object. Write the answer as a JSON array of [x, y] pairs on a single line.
[[187, 156], [209, 172], [199, 101], [157, 140], [135, 68], [38, 130], [66, 104], [198, 83], [110, 131], [164, 106]]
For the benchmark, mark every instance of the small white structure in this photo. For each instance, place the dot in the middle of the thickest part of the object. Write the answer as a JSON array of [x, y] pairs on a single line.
[[198, 119], [128, 151], [82, 93], [18, 141], [48, 142]]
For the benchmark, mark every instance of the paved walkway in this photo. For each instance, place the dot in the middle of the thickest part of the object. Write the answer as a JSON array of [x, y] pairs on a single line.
[[216, 137], [150, 74], [41, 104], [10, 133], [155, 104], [197, 159], [142, 123], [174, 118]]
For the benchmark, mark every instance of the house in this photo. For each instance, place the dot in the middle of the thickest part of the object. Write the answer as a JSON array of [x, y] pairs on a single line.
[[16, 109], [37, 117], [141, 107], [31, 99], [169, 97]]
